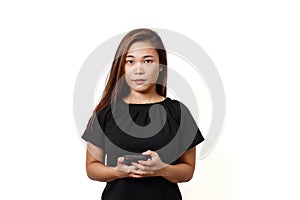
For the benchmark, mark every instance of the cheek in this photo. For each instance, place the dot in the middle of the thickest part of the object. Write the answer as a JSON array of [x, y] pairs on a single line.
[[127, 71], [154, 72], [127, 77]]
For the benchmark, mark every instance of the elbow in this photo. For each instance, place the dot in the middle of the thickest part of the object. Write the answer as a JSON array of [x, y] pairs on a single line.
[[90, 174], [91, 177], [187, 177], [94, 175], [182, 179]]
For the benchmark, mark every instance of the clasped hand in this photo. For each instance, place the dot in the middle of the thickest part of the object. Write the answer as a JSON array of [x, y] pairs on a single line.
[[142, 168]]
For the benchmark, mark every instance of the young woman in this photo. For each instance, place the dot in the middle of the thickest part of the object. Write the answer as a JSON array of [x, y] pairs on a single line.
[[134, 116]]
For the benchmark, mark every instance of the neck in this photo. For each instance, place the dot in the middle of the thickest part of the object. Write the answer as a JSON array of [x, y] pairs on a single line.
[[137, 97]]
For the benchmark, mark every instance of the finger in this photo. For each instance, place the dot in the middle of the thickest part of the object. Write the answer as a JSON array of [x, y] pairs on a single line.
[[147, 163], [148, 174], [134, 169], [141, 173], [152, 154], [131, 168], [149, 152], [136, 176], [140, 167], [121, 160]]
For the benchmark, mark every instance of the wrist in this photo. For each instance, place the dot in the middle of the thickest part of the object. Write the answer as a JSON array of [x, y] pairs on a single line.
[[120, 174], [164, 171]]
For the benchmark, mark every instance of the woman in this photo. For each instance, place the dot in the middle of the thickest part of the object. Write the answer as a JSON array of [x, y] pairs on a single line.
[[123, 123]]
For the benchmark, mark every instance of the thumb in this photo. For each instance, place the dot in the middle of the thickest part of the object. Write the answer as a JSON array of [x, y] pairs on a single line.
[[149, 152], [120, 159]]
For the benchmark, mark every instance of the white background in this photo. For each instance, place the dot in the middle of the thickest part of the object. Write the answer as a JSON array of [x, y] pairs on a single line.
[[255, 46]]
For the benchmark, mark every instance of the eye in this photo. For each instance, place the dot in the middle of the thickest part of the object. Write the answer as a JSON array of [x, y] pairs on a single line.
[[148, 61], [130, 61]]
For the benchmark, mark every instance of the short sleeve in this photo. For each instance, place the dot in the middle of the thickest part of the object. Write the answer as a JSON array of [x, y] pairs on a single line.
[[190, 132], [94, 132]]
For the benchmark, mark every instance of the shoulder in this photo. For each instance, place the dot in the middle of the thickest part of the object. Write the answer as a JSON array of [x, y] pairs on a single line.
[[176, 108], [103, 112], [175, 104], [100, 116]]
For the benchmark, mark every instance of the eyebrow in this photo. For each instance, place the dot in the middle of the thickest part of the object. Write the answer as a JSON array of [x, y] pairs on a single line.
[[146, 56]]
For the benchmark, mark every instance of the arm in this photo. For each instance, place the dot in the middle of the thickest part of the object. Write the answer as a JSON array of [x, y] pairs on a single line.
[[181, 172], [97, 170]]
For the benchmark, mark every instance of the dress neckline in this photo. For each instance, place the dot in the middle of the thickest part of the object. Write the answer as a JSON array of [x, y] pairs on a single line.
[[145, 104]]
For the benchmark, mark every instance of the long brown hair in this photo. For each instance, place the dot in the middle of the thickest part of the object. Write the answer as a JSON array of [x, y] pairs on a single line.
[[116, 86]]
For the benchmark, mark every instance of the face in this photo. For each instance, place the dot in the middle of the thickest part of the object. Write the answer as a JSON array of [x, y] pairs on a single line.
[[142, 67]]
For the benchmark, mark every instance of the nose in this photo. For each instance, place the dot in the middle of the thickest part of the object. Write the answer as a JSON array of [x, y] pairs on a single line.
[[139, 70]]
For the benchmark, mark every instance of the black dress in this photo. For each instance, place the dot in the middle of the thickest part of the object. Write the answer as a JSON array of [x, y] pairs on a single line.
[[166, 127]]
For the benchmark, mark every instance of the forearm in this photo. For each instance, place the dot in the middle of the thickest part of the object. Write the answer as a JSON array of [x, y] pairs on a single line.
[[181, 172], [100, 172]]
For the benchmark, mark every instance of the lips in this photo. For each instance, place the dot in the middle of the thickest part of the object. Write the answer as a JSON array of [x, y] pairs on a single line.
[[139, 81]]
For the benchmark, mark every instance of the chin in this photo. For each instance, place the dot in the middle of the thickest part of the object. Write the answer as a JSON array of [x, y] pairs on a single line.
[[142, 89]]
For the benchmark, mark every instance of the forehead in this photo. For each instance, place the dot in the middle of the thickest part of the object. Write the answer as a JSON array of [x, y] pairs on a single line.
[[141, 48]]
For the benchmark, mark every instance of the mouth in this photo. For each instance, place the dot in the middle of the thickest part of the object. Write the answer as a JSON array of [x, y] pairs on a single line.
[[139, 81]]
